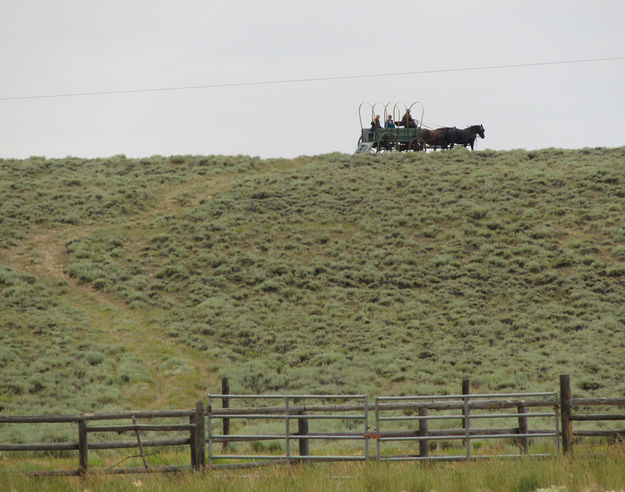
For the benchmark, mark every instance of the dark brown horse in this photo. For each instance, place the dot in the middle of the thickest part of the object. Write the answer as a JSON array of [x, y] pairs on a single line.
[[466, 136], [437, 138]]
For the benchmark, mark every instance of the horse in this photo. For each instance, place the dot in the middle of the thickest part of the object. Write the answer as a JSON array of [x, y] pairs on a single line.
[[466, 136], [437, 138]]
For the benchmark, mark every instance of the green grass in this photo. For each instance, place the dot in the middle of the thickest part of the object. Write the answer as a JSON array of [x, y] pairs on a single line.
[[138, 283], [599, 470]]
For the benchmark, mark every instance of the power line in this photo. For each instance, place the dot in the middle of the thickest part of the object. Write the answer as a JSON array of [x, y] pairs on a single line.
[[311, 79]]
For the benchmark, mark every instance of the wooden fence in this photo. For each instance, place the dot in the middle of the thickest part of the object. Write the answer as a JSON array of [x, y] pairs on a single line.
[[86, 425], [197, 434], [569, 408]]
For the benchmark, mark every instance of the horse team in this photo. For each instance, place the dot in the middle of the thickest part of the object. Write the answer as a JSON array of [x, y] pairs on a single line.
[[445, 137]]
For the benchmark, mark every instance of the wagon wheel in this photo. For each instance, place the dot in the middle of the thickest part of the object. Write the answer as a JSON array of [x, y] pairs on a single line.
[[387, 142], [416, 144]]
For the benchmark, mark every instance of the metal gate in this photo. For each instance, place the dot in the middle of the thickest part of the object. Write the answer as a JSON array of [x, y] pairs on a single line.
[[447, 427], [449, 418], [348, 413]]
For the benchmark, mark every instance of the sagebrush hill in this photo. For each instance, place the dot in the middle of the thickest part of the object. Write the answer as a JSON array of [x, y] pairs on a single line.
[[139, 282]]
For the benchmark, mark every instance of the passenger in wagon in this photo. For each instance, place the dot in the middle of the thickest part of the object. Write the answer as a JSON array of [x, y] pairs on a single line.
[[407, 121], [375, 123], [389, 122]]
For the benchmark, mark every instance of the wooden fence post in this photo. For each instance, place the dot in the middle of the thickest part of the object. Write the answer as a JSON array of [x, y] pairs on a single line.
[[565, 413], [82, 446], [466, 390], [302, 430], [199, 437], [523, 429], [225, 403], [192, 440], [424, 450], [466, 386]]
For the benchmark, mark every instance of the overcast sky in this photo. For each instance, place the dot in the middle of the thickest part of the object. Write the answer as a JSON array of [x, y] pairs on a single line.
[[78, 46]]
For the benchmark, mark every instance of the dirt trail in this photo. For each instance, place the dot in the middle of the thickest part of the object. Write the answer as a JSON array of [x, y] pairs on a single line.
[[44, 255]]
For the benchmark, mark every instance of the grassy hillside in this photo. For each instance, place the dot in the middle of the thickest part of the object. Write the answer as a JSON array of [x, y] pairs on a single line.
[[137, 283]]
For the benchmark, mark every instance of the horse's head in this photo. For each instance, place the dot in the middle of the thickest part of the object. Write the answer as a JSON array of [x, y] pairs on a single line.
[[480, 131]]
